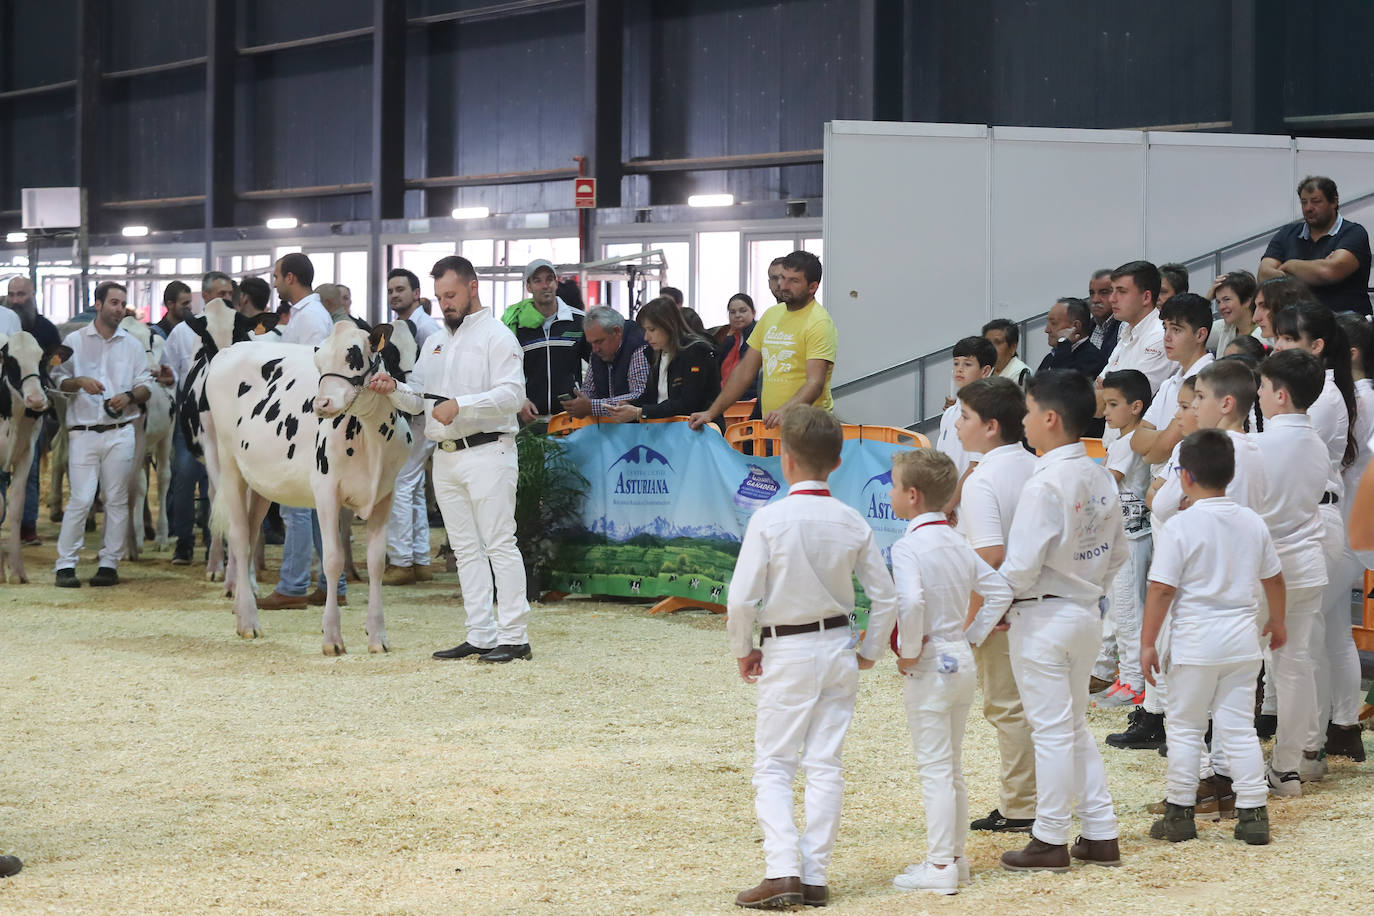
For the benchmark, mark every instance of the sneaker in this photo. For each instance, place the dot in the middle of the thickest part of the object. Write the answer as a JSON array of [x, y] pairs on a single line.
[[105, 576], [66, 578], [961, 863], [1344, 741], [1253, 825], [926, 877], [1176, 825], [998, 823], [1284, 785], [1266, 725], [1098, 685], [1120, 695], [1145, 732], [1312, 766]]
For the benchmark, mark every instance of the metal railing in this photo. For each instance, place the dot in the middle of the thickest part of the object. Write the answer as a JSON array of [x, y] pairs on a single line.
[[918, 365]]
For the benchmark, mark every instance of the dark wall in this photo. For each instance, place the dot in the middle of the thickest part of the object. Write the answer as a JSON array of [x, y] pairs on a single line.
[[700, 78]]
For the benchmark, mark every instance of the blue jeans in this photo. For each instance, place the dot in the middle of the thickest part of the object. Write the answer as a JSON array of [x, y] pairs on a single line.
[[303, 544], [30, 518], [187, 474]]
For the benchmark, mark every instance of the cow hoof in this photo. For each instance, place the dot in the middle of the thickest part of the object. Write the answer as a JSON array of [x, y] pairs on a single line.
[[213, 576], [254, 633], [378, 648], [336, 648]]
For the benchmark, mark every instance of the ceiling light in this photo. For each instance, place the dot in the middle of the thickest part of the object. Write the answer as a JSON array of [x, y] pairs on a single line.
[[16, 236], [134, 232], [471, 213], [711, 200], [282, 222]]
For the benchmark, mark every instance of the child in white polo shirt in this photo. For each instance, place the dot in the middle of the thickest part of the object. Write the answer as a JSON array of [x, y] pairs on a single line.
[[974, 358], [794, 577], [1209, 566], [936, 571]]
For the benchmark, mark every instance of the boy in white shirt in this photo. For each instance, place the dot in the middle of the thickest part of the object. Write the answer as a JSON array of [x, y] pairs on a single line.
[[1187, 320], [936, 572], [794, 577], [1125, 398], [973, 358], [1065, 546], [1208, 570], [1290, 381], [991, 425]]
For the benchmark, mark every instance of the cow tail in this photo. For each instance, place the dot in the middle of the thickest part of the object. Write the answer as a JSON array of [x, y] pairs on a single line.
[[219, 513]]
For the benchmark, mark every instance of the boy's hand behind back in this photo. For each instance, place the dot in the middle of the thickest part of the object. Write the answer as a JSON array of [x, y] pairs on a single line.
[[866, 663], [1277, 634], [751, 666]]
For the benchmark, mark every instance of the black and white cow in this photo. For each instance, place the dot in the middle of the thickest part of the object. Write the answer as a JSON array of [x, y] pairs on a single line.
[[152, 440], [23, 401], [299, 427]]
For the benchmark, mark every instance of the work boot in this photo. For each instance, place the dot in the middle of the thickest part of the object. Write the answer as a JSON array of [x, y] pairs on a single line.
[[1344, 741], [1037, 856], [1207, 804], [772, 894], [1176, 825], [1266, 725], [1225, 797], [815, 895], [1145, 732], [398, 575], [422, 573], [1097, 852], [1253, 825]]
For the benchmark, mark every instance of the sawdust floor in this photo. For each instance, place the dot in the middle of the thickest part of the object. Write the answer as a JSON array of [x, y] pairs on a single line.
[[154, 762]]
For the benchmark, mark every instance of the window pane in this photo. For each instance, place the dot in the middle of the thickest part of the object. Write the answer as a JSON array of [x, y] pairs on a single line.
[[566, 251], [520, 252], [717, 275], [620, 249], [167, 266], [478, 251], [324, 266], [191, 267], [353, 274], [761, 254], [817, 247]]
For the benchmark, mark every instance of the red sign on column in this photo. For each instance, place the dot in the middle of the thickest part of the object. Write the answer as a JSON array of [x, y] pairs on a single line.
[[584, 192]]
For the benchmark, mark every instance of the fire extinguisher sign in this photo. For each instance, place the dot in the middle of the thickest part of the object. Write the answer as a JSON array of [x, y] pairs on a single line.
[[584, 192]]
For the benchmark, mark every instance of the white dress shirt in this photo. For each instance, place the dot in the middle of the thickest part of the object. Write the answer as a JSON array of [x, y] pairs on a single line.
[[480, 366], [796, 565], [1067, 539], [935, 571], [1332, 423], [120, 364], [1364, 429], [1249, 484], [424, 325], [1297, 462], [310, 322], [1215, 558], [180, 350], [9, 321], [988, 503], [948, 440]]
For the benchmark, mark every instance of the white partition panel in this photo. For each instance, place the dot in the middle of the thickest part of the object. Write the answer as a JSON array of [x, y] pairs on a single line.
[[1347, 162]]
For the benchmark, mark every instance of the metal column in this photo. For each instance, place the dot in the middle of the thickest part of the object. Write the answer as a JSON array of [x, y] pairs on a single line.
[[388, 139]]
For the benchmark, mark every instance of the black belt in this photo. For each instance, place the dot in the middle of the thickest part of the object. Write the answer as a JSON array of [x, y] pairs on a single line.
[[1038, 598], [457, 445], [101, 428], [792, 629], [1329, 499]]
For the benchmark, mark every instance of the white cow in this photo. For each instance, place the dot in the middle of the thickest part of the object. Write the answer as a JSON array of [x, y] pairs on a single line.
[[298, 426], [152, 439], [22, 402]]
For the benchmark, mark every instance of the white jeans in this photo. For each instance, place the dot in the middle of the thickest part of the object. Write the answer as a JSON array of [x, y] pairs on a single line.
[[475, 488], [1157, 694], [1333, 643], [1127, 613], [937, 706], [805, 703], [105, 460], [1227, 692], [1295, 683], [407, 530], [1053, 643]]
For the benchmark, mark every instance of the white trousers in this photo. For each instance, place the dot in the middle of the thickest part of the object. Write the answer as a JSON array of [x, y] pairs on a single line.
[[805, 703], [103, 460], [1126, 613], [1053, 643], [1157, 694], [475, 488], [1227, 693], [1295, 683], [937, 706], [1333, 643], [407, 529]]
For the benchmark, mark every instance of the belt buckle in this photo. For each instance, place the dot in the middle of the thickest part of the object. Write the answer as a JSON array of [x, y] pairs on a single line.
[[448, 445]]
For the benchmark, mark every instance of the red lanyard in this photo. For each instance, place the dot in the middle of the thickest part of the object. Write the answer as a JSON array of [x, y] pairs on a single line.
[[809, 493], [928, 524]]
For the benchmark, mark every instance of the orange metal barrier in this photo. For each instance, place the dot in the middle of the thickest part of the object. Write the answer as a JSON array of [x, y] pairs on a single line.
[[764, 442]]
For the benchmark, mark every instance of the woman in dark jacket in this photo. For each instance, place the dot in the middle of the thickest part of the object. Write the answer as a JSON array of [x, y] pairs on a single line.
[[683, 374], [742, 321]]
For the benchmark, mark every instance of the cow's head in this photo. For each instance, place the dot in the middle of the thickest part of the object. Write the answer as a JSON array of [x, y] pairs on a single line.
[[401, 351], [145, 337], [246, 327], [216, 328], [346, 360], [22, 362]]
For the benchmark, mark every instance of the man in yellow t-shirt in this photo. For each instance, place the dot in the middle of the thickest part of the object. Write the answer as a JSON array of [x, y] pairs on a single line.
[[794, 344]]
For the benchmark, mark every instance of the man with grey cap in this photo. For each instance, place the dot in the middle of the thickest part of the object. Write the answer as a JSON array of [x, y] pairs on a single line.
[[551, 336]]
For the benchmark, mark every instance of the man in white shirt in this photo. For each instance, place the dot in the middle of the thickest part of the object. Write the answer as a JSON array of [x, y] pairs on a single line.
[[9, 322], [407, 530], [474, 387], [108, 375], [1140, 343]]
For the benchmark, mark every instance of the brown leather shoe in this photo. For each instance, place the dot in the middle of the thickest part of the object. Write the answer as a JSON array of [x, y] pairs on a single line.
[[398, 575], [279, 602], [1037, 856], [1097, 852], [318, 596], [772, 894], [815, 894], [1097, 685], [422, 573]]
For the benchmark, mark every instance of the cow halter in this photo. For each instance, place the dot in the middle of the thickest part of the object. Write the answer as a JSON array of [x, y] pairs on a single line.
[[357, 381]]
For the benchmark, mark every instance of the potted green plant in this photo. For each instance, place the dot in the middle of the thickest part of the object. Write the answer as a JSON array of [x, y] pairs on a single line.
[[548, 502]]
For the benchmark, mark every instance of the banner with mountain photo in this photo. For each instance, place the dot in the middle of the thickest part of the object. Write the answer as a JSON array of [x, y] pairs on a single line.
[[667, 507]]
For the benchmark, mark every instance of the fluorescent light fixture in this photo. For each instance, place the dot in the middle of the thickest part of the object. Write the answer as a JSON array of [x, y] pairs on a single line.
[[711, 200], [282, 222], [471, 213], [134, 232], [16, 236]]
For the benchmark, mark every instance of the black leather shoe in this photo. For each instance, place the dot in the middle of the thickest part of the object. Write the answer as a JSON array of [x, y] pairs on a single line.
[[508, 653], [66, 578], [1266, 725], [10, 866], [464, 651], [1000, 823], [105, 575]]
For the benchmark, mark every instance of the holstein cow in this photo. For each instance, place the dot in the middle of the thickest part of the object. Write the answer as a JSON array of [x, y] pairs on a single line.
[[22, 404], [299, 427], [152, 439]]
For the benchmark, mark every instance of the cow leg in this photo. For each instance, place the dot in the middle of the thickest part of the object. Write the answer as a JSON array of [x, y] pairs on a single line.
[[234, 493], [376, 563], [163, 449], [215, 560], [327, 505], [57, 458], [350, 568], [138, 492], [257, 511], [23, 459]]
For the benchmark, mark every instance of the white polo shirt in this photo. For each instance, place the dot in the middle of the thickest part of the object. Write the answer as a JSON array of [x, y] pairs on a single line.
[[1141, 347], [1249, 485], [1332, 423], [310, 322], [948, 440], [1296, 459], [988, 503]]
